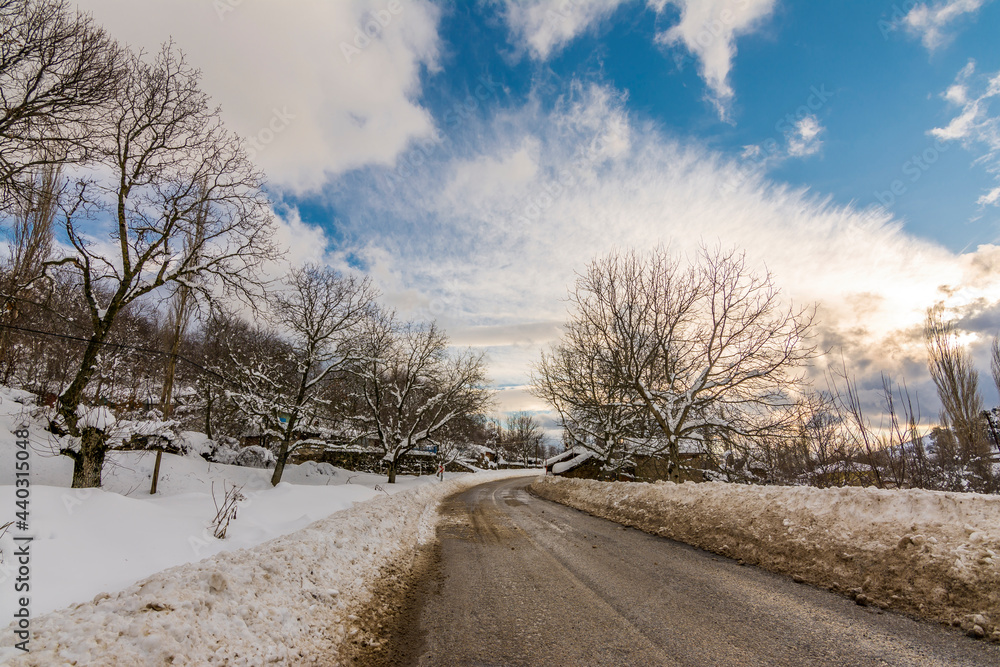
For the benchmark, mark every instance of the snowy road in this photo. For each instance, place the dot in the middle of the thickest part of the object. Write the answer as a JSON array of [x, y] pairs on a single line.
[[517, 580]]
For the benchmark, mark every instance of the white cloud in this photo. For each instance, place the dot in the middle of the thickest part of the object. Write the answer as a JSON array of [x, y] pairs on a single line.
[[501, 265], [801, 139], [485, 178], [708, 29], [977, 125], [299, 242], [282, 66], [545, 26], [804, 139], [930, 22], [991, 198]]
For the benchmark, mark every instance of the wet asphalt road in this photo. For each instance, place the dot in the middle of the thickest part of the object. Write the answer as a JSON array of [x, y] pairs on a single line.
[[517, 580]]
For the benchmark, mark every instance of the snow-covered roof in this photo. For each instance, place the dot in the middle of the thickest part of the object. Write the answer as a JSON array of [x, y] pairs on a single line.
[[576, 461], [569, 453]]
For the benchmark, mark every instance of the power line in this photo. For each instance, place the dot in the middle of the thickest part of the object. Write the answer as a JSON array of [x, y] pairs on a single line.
[[120, 346]]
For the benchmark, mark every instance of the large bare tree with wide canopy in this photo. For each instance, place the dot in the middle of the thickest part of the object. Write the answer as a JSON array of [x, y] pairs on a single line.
[[703, 348], [171, 199]]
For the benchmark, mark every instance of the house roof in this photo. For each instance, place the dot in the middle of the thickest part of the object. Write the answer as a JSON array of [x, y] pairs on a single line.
[[575, 462], [569, 453]]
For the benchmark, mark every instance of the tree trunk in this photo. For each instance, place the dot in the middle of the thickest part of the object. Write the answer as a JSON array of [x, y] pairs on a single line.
[[392, 471], [89, 461], [180, 317], [208, 415], [673, 461], [156, 472], [73, 396], [279, 466]]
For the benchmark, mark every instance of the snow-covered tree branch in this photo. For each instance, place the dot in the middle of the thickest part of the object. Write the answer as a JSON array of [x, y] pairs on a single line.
[[183, 205], [408, 388], [701, 349]]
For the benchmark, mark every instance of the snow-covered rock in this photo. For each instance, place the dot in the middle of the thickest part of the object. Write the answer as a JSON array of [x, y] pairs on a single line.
[[255, 457]]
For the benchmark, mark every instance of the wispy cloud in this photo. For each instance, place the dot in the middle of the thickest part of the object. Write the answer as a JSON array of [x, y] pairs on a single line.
[[801, 138], [707, 29], [502, 261], [931, 22], [336, 88], [991, 198], [977, 125]]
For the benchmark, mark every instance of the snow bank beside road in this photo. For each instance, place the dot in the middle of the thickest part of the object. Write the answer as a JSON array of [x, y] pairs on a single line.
[[290, 600], [928, 553], [120, 534]]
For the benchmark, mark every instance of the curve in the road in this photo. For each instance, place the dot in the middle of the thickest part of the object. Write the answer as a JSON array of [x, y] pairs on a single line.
[[522, 581]]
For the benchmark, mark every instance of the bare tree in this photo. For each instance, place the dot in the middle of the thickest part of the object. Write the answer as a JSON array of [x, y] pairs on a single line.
[[30, 246], [706, 348], [243, 362], [409, 389], [524, 437], [320, 315], [886, 454], [992, 415], [170, 166], [459, 439], [595, 408], [995, 361], [957, 384], [57, 73]]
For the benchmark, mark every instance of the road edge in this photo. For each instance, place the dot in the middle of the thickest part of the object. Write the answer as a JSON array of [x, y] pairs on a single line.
[[893, 589]]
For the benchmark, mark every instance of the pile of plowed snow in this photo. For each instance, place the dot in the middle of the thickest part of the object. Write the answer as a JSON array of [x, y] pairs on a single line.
[[86, 541], [926, 553], [291, 600]]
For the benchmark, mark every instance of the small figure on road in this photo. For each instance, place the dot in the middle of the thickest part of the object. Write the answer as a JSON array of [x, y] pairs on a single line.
[[441, 471]]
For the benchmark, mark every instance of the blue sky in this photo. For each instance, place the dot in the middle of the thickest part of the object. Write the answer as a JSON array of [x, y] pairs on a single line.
[[471, 156]]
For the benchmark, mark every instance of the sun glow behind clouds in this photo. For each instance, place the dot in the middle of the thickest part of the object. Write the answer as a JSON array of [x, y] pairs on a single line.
[[486, 234], [573, 183]]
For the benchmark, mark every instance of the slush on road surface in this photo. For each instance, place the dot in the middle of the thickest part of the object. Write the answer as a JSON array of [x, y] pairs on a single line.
[[516, 580]]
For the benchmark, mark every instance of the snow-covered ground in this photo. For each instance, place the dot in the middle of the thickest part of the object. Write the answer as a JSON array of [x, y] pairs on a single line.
[[928, 553], [292, 600], [97, 542]]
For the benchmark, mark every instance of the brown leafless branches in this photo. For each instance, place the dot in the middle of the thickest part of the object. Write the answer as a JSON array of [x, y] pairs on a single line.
[[702, 349], [58, 71]]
